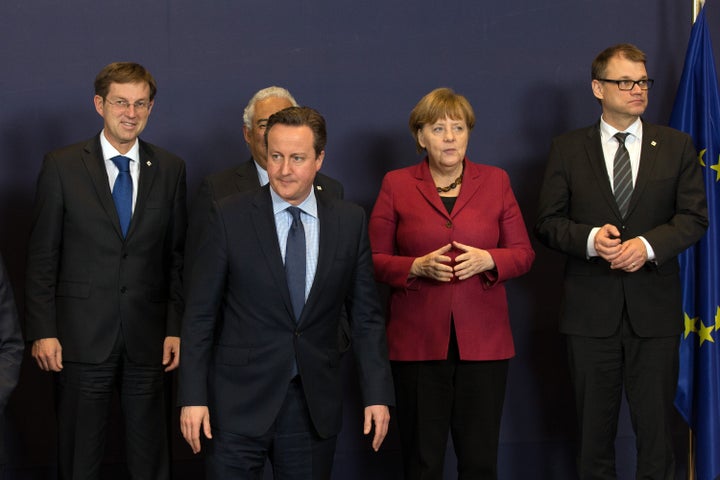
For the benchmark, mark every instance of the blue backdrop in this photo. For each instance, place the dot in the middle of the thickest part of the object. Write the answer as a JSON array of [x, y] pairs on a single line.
[[524, 65]]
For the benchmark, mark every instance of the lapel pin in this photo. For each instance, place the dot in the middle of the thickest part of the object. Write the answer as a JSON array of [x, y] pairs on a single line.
[[653, 143], [318, 188], [148, 163]]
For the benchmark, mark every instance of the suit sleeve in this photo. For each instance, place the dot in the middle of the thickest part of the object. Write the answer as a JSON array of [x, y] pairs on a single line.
[[390, 268], [178, 230], [554, 226], [204, 290], [43, 253], [514, 254], [199, 213], [689, 222], [11, 342], [368, 329]]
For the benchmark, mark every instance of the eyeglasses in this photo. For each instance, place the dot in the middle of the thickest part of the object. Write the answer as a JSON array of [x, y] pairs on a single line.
[[124, 105], [644, 84]]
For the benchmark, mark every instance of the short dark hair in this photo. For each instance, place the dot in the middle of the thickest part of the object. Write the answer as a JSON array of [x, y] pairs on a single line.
[[299, 117], [624, 50], [123, 72]]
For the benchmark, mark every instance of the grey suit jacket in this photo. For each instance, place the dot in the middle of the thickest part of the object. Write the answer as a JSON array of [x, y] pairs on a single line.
[[667, 208], [84, 281]]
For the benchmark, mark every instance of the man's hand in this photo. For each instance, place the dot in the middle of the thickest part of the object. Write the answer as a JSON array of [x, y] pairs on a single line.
[[607, 242], [380, 416], [632, 257], [472, 261], [191, 419], [47, 352], [433, 265], [171, 353]]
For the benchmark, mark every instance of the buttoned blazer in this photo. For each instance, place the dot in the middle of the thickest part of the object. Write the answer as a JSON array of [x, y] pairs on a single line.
[[84, 281], [408, 221], [240, 366], [667, 208]]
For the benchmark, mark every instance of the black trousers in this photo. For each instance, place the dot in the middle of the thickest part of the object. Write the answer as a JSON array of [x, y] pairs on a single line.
[[294, 448], [464, 398], [647, 368], [84, 395]]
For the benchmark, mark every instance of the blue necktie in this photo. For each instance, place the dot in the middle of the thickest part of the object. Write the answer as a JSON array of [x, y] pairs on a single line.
[[123, 191], [295, 262]]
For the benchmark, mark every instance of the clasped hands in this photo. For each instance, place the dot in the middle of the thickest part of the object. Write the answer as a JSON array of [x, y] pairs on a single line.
[[629, 256], [436, 264]]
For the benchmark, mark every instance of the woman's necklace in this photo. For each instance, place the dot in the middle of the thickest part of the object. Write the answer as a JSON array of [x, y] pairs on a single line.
[[454, 184]]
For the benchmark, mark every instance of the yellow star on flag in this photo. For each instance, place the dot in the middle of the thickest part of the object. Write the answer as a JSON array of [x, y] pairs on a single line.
[[705, 333]]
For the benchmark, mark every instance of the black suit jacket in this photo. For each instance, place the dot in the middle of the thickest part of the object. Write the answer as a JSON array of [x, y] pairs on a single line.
[[667, 208], [241, 368], [84, 281], [244, 178], [11, 348]]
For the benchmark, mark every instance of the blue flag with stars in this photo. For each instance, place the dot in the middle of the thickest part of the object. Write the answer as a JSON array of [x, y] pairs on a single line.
[[697, 112]]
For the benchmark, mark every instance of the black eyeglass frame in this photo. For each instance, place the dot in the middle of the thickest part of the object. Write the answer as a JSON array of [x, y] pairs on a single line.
[[644, 83]]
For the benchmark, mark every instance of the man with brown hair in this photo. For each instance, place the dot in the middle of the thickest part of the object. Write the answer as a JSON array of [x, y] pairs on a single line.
[[261, 376], [621, 199], [103, 289]]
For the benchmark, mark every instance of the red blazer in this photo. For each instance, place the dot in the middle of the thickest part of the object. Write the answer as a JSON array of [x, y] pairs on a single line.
[[409, 220]]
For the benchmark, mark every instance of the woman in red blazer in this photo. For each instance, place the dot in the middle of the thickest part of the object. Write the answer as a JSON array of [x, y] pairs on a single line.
[[445, 236]]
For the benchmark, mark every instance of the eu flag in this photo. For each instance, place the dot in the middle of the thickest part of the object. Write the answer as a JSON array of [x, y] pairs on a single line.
[[697, 112]]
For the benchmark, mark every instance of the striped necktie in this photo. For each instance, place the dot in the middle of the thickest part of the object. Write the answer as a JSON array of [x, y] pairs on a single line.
[[622, 175]]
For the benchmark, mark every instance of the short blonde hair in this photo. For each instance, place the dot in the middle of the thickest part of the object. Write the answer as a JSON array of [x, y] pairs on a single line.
[[440, 103]]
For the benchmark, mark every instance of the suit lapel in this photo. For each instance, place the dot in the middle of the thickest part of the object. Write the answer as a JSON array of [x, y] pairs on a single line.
[[648, 157], [147, 170], [95, 164], [596, 159], [426, 187], [263, 221], [246, 177], [472, 181], [329, 236]]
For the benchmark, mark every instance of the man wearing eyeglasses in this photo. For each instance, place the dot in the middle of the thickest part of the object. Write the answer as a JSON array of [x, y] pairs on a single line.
[[621, 199], [103, 289]]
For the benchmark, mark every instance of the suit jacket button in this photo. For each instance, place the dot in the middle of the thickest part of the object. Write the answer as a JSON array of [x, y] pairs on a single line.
[[448, 224], [123, 289]]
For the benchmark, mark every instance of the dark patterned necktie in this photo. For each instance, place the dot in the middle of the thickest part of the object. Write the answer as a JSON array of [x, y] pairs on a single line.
[[295, 262], [622, 175], [123, 191]]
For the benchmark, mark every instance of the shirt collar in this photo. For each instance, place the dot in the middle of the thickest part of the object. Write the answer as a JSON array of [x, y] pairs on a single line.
[[109, 151], [309, 205], [607, 132]]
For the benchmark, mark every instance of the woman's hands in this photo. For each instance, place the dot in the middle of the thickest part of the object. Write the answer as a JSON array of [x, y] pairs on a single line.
[[435, 265]]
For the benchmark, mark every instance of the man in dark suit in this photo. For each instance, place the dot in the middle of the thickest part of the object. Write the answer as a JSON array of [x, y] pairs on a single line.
[[252, 175], [266, 376], [622, 198], [103, 293], [11, 349]]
